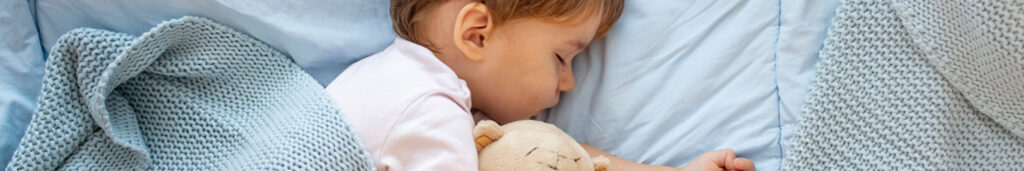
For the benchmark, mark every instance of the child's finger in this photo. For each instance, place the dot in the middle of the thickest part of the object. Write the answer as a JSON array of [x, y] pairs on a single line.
[[744, 164], [730, 156], [722, 158], [716, 157]]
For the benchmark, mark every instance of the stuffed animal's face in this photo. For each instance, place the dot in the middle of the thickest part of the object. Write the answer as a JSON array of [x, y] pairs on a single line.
[[530, 145]]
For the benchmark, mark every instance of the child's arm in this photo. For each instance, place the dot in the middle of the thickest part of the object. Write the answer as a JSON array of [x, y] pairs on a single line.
[[715, 160]]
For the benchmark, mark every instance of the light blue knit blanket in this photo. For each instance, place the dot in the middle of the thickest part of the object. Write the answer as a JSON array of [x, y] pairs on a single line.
[[917, 84], [189, 94]]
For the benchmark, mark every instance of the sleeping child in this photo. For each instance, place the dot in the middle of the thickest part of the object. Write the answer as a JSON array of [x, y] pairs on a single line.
[[412, 104]]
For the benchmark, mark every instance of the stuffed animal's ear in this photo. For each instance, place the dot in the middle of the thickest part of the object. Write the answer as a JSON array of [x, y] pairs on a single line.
[[601, 163], [486, 132]]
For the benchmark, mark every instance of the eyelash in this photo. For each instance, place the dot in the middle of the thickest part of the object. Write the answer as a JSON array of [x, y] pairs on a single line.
[[562, 61]]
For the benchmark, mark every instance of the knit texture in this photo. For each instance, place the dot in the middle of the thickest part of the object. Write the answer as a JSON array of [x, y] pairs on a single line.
[[189, 94], [918, 84]]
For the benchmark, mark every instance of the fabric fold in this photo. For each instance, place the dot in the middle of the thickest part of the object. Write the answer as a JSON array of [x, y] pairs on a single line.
[[190, 94], [932, 85]]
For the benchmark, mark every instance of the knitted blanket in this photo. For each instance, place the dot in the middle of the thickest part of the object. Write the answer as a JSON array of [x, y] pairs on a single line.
[[189, 94], [921, 84]]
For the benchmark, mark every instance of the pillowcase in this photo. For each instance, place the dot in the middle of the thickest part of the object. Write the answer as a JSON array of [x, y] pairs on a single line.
[[322, 36], [674, 79], [21, 73]]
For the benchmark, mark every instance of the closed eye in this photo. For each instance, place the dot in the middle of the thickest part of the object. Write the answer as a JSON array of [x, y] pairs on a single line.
[[560, 59]]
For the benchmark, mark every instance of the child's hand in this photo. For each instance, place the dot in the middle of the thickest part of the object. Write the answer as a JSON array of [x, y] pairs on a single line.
[[724, 159]]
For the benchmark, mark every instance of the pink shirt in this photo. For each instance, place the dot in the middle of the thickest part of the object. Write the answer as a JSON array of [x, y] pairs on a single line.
[[411, 110]]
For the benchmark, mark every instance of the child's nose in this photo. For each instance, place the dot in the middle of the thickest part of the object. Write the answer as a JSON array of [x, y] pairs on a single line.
[[566, 81]]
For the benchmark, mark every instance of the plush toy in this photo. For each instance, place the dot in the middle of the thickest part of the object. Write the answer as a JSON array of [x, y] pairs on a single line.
[[531, 145]]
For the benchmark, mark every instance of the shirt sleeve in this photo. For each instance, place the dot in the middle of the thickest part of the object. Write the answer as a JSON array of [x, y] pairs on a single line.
[[434, 133]]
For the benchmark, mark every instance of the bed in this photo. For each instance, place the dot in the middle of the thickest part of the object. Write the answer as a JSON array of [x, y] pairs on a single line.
[[673, 79]]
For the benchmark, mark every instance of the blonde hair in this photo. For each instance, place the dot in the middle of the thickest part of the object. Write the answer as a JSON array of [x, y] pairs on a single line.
[[406, 14]]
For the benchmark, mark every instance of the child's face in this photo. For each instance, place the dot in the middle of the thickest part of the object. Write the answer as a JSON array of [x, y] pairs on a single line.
[[532, 65]]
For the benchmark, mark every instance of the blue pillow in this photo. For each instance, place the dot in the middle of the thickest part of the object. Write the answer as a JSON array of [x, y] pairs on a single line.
[[21, 73], [674, 79], [322, 36]]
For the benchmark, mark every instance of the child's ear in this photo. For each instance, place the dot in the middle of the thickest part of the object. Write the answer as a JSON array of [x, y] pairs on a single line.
[[473, 25]]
